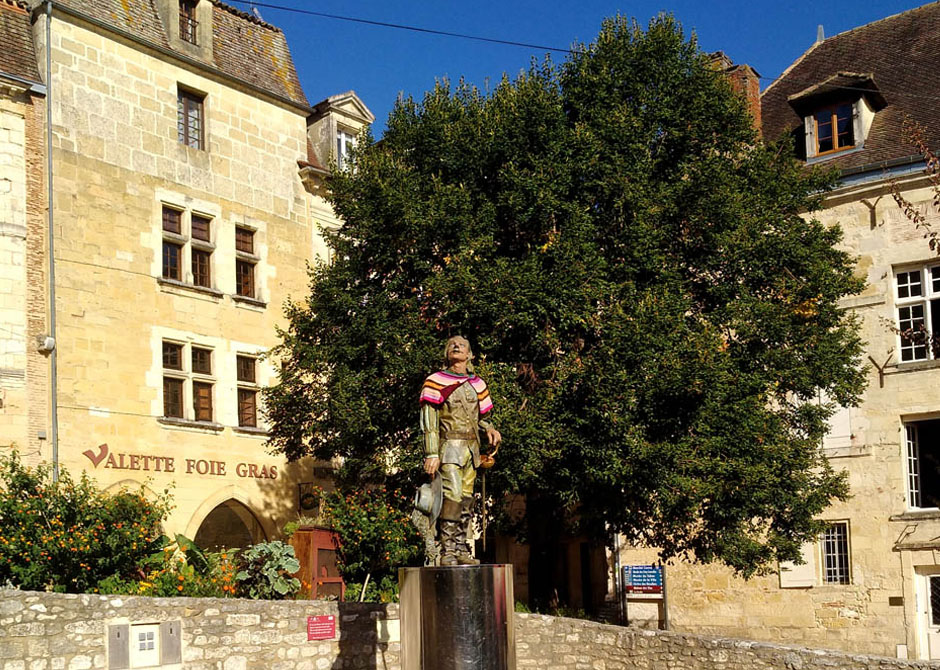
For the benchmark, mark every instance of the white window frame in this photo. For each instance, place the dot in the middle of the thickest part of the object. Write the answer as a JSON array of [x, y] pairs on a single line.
[[906, 305], [344, 142]]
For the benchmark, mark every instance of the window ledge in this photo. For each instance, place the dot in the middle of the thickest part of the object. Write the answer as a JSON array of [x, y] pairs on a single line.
[[170, 236], [248, 430], [210, 426], [252, 302], [834, 154], [852, 451], [204, 290], [916, 515], [202, 245], [245, 256], [912, 366]]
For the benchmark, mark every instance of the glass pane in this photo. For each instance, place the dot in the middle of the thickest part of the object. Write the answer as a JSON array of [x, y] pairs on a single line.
[[824, 131], [913, 329], [172, 356], [244, 279], [201, 268], [173, 398], [934, 601], [171, 261], [202, 361], [935, 279], [245, 368]]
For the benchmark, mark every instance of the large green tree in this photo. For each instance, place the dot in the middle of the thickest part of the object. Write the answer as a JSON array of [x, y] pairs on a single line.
[[653, 313]]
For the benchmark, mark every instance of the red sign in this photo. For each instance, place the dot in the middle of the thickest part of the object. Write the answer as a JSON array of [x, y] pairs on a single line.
[[321, 627]]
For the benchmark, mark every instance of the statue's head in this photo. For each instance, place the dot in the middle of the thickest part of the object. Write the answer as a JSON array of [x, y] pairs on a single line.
[[458, 349]]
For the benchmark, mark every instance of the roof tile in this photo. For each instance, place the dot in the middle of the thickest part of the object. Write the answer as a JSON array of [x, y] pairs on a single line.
[[900, 52], [17, 55]]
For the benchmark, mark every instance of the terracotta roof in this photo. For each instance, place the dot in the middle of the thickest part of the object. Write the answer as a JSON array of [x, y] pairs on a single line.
[[243, 47], [254, 51], [17, 56], [900, 53]]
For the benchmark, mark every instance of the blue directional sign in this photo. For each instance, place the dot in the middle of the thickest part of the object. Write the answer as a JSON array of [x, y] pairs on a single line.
[[643, 578]]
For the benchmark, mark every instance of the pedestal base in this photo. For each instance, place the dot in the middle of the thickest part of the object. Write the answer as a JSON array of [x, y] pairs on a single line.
[[457, 618]]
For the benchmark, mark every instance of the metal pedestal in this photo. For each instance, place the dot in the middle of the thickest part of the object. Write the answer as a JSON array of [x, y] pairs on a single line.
[[457, 618]]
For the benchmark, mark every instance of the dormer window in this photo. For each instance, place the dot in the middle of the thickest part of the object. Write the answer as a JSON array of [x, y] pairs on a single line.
[[837, 114], [188, 23], [834, 128]]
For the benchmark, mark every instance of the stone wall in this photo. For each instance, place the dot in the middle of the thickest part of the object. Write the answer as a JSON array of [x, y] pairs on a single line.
[[47, 631], [572, 644]]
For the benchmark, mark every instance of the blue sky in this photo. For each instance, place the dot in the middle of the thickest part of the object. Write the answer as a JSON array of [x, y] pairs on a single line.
[[378, 63]]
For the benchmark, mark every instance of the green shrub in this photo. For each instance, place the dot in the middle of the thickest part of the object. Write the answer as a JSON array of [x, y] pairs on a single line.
[[70, 535], [376, 537], [182, 569], [266, 571]]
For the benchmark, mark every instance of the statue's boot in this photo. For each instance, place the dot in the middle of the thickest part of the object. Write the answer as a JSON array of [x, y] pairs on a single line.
[[464, 556], [448, 524]]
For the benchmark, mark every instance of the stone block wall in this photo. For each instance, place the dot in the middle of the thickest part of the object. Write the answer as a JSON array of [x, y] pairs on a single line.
[[48, 631], [573, 644]]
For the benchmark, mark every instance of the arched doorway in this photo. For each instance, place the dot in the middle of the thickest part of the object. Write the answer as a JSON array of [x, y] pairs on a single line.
[[229, 525]]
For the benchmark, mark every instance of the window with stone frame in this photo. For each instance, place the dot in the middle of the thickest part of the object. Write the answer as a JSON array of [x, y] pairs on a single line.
[[187, 243], [188, 23], [188, 375], [190, 118], [247, 391], [246, 261], [922, 447], [834, 547], [917, 310]]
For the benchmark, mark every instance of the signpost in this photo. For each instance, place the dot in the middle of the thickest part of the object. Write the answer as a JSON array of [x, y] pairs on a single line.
[[646, 582]]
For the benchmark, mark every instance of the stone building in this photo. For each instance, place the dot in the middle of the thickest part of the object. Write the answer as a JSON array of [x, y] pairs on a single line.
[[185, 166], [23, 369], [872, 581]]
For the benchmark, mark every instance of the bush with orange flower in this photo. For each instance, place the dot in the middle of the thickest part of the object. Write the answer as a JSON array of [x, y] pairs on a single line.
[[376, 537], [70, 535], [181, 569]]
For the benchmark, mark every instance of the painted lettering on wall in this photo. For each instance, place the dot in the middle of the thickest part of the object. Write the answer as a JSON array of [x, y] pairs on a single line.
[[105, 458]]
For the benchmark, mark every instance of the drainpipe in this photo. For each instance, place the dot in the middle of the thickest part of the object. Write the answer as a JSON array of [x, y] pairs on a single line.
[[53, 355]]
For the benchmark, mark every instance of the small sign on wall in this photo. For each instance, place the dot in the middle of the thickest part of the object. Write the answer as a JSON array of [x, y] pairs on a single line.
[[321, 627]]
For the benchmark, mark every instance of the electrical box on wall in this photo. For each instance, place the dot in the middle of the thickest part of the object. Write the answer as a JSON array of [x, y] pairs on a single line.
[[144, 645]]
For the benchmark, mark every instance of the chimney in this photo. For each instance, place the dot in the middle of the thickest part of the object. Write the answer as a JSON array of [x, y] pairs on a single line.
[[744, 80]]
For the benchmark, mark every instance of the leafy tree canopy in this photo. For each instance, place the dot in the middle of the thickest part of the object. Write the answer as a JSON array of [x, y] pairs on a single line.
[[654, 316]]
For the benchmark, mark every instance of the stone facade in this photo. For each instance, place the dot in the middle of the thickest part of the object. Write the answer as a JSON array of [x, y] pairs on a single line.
[[47, 631], [145, 126], [875, 590]]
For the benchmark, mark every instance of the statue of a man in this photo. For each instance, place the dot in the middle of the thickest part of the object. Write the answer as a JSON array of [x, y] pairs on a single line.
[[454, 402]]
